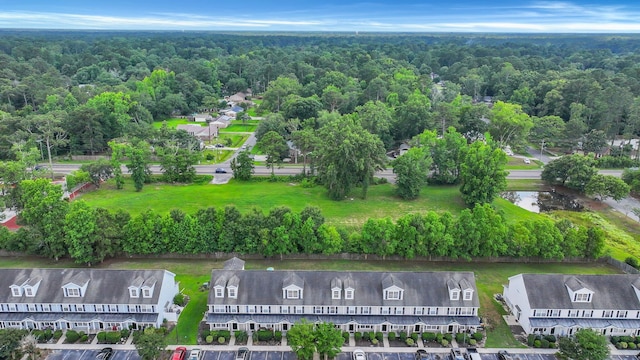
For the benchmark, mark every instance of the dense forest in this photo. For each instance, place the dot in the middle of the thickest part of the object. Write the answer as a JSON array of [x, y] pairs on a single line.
[[86, 88]]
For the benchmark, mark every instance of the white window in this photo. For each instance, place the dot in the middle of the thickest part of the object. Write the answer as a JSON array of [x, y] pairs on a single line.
[[348, 294], [146, 293], [468, 295], [16, 291], [219, 292], [293, 294], [133, 293], [399, 311], [587, 313], [622, 314], [13, 307], [335, 294], [218, 309], [385, 310], [251, 309], [574, 313], [351, 310], [73, 292], [299, 309], [46, 307], [365, 310], [393, 295], [607, 313], [433, 311], [32, 307], [232, 293], [418, 311], [284, 309], [28, 291], [318, 310], [582, 297], [333, 309], [265, 309], [66, 307], [455, 295], [80, 308]]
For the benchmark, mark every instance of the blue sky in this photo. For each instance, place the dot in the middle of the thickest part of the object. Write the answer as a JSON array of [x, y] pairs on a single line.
[[619, 16]]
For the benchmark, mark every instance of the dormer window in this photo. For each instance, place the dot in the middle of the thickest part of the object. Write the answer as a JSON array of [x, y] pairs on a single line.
[[28, 291], [454, 294], [219, 292], [133, 292], [335, 294], [578, 297], [348, 294], [393, 294], [16, 291], [468, 295], [232, 293], [72, 292], [293, 294], [146, 293]]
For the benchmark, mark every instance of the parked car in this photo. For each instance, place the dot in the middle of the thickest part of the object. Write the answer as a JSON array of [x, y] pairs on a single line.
[[221, 171], [359, 355], [179, 353], [242, 353], [105, 354], [473, 354], [196, 354], [504, 355], [456, 354], [527, 161], [219, 145], [422, 354]]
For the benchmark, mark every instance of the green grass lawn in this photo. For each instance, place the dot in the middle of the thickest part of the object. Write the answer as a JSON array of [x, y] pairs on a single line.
[[173, 123], [210, 157], [239, 128], [236, 139], [380, 202], [515, 163]]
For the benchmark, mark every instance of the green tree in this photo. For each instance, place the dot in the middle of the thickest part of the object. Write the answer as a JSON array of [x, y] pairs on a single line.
[[549, 129], [447, 154], [273, 145], [177, 163], [482, 173], [329, 340], [80, 229], [45, 211], [302, 339], [574, 171], [411, 171], [586, 344], [604, 186], [139, 156], [99, 171], [10, 342], [347, 156], [242, 166], [278, 90], [509, 124], [150, 344], [305, 141], [413, 117]]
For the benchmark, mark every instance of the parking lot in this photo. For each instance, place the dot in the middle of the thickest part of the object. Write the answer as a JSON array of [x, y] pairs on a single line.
[[288, 355]]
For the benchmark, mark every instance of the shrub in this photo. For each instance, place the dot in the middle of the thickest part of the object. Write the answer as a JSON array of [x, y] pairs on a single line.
[[345, 336], [57, 334], [449, 337], [615, 339], [374, 341], [241, 336], [357, 335], [428, 336], [179, 299], [72, 336], [372, 335], [112, 337], [530, 339], [84, 338], [537, 343], [439, 337], [379, 336], [444, 342], [544, 343], [623, 345], [410, 342], [403, 336], [264, 335], [124, 333], [631, 261], [392, 336], [462, 338], [632, 346], [208, 339], [277, 336], [478, 336], [221, 340], [306, 183], [225, 334], [415, 337], [366, 336], [550, 338], [473, 342]]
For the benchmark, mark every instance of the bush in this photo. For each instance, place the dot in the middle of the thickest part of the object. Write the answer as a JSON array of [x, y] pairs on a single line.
[[221, 340], [307, 183], [112, 337], [264, 335], [531, 339], [208, 339], [345, 336], [124, 333], [179, 299], [277, 336], [473, 342], [372, 335], [57, 334], [550, 338], [241, 336], [615, 339], [415, 337], [403, 336], [357, 335], [84, 338], [379, 336], [632, 346], [428, 336], [374, 341], [622, 345], [462, 338], [391, 336], [410, 342], [439, 337], [444, 342], [449, 337], [366, 336], [72, 336], [544, 343], [537, 344], [478, 336]]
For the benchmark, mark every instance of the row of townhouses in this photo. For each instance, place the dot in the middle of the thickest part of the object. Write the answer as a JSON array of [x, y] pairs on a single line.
[[94, 300]]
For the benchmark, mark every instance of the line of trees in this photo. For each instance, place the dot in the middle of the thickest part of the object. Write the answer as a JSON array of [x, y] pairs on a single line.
[[56, 229]]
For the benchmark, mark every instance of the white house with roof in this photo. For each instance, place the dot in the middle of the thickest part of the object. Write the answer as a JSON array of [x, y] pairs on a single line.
[[354, 301], [562, 304], [88, 300]]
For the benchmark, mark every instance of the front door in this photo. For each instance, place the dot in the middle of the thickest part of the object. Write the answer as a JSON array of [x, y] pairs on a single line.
[[384, 328]]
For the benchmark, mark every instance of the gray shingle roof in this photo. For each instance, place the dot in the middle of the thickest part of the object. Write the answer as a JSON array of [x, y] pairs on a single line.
[[104, 286], [613, 292], [259, 287], [234, 264]]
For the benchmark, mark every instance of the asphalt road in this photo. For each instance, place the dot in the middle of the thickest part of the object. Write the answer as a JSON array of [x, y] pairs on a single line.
[[293, 170]]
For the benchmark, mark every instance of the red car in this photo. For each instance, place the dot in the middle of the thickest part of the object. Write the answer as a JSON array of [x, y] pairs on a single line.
[[179, 353]]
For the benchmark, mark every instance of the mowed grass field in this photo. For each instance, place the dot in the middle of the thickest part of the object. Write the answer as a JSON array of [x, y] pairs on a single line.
[[191, 273], [380, 202]]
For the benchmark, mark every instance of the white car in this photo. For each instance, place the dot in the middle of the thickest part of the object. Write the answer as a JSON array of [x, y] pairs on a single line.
[[527, 161], [359, 355], [195, 354]]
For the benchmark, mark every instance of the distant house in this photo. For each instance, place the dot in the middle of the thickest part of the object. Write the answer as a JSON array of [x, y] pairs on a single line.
[[232, 111], [201, 132], [237, 97], [200, 117], [400, 302], [223, 121], [559, 304], [88, 300]]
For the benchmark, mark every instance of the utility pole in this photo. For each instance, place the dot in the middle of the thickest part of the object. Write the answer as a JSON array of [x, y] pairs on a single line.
[[542, 144]]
